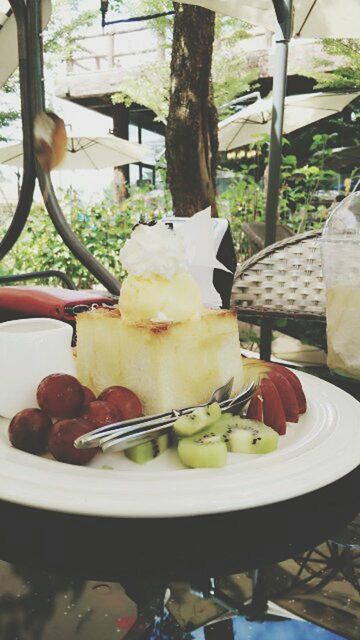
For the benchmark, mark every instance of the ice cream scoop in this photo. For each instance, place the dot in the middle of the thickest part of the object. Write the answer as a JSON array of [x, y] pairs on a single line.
[[158, 287], [158, 299]]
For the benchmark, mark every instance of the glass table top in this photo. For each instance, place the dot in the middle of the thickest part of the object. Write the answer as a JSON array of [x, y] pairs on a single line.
[[312, 595]]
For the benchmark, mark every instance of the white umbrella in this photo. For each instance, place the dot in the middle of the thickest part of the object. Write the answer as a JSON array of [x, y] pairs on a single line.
[[308, 18], [9, 58], [246, 126], [311, 19], [85, 152], [259, 12]]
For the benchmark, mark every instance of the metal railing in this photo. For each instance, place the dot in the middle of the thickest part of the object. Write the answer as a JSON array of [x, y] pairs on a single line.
[[102, 51]]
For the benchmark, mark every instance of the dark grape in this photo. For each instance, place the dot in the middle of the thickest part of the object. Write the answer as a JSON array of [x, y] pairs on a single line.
[[60, 395], [126, 402], [28, 430], [61, 441], [98, 414]]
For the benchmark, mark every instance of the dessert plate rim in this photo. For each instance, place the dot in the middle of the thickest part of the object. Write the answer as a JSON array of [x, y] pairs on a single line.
[[323, 447]]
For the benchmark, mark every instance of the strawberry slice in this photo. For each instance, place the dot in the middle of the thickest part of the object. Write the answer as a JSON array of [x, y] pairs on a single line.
[[287, 395], [273, 411], [295, 383]]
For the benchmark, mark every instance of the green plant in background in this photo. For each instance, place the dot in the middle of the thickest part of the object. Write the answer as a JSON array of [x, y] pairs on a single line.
[[243, 201], [150, 85], [7, 117], [300, 204], [102, 227], [300, 208], [346, 76]]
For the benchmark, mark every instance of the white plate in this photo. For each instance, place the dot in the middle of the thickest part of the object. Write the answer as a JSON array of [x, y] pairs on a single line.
[[322, 447]]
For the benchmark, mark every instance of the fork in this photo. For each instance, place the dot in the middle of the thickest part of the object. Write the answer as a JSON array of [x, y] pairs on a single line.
[[122, 441], [138, 425]]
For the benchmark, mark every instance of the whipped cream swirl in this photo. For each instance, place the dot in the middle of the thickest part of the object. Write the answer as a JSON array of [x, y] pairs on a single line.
[[154, 250]]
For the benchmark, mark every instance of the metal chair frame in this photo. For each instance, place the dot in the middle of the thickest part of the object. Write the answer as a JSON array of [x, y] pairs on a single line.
[[39, 275], [30, 45]]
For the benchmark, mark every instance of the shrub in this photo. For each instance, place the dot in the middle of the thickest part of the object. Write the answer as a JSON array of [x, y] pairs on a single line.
[[300, 207], [102, 227]]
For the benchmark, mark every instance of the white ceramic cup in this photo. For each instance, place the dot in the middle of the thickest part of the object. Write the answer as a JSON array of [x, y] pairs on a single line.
[[30, 350]]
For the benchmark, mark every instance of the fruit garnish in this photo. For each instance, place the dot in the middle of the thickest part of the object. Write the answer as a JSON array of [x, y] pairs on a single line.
[[242, 435], [245, 436], [60, 395], [256, 370], [98, 414], [287, 395], [253, 437], [28, 430], [202, 451], [126, 402], [295, 383], [272, 411], [147, 451], [265, 403], [61, 441], [89, 396], [189, 425], [255, 410]]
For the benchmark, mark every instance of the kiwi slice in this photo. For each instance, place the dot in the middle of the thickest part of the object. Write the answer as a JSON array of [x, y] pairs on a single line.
[[245, 436], [255, 437], [202, 450], [189, 425], [147, 451]]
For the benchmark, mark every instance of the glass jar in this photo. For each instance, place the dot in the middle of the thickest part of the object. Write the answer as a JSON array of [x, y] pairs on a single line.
[[341, 269]]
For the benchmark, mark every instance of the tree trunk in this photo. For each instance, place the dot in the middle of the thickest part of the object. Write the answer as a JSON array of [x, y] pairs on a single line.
[[191, 136]]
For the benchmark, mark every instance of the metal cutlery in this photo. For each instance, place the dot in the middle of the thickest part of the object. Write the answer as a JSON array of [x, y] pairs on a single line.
[[92, 439], [121, 441], [122, 435]]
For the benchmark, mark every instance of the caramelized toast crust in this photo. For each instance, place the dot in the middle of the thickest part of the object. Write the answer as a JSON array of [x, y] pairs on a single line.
[[168, 364]]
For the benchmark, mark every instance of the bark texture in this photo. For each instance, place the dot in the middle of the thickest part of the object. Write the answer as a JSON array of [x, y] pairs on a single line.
[[191, 136]]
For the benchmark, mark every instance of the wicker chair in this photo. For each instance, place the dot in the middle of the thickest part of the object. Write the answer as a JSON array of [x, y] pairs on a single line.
[[283, 280]]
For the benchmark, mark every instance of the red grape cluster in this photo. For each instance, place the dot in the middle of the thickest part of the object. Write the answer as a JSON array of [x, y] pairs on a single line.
[[67, 411]]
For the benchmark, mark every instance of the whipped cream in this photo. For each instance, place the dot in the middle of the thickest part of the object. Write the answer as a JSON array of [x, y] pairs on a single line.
[[155, 250], [160, 317]]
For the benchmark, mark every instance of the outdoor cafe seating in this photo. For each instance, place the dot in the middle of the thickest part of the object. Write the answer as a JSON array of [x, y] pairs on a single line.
[[169, 552]]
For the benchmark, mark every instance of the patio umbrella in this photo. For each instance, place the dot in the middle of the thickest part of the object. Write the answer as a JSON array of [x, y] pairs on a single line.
[[85, 152], [259, 12], [311, 18], [9, 59], [253, 121], [288, 18]]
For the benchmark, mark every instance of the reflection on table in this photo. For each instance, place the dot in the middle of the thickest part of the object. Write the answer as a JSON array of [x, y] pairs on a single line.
[[315, 592]]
